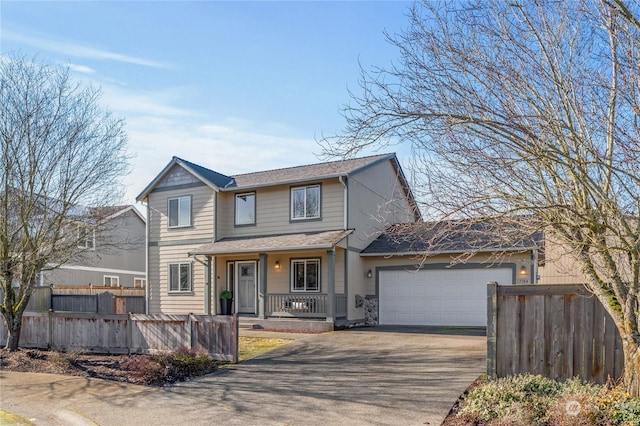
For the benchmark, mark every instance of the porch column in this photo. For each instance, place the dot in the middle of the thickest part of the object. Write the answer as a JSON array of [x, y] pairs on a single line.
[[262, 286], [213, 271], [331, 284], [207, 286]]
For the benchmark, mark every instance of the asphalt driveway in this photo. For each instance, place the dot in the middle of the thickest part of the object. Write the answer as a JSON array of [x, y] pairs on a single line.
[[374, 376]]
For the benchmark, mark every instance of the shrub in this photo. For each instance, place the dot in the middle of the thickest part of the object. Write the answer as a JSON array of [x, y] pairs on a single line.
[[535, 400], [171, 367], [524, 397], [148, 370]]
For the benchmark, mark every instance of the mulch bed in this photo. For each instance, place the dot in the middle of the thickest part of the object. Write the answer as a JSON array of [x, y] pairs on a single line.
[[117, 368]]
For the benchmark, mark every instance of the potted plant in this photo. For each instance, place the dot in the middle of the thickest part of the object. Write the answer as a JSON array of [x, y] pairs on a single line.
[[226, 302]]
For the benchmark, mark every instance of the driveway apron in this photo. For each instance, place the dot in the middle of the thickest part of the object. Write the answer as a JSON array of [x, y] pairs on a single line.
[[384, 376]]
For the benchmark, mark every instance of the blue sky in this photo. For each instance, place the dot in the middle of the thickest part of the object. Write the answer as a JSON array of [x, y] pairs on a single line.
[[233, 86]]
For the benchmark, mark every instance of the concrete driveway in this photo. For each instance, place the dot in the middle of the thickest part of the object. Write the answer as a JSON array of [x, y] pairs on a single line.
[[374, 376]]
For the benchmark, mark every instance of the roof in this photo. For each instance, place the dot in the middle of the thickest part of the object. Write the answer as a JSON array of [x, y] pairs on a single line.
[[289, 175], [305, 173], [453, 237], [307, 241], [108, 212], [212, 178]]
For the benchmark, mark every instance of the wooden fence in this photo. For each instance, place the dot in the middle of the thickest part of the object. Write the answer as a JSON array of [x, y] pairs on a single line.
[[558, 331], [129, 334], [100, 300]]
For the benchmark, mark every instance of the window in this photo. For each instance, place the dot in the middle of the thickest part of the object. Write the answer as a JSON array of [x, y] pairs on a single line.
[[179, 277], [179, 212], [305, 202], [139, 282], [86, 237], [246, 209], [111, 281], [305, 275]]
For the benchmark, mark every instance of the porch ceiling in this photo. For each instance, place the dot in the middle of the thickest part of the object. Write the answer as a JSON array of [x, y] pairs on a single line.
[[290, 242]]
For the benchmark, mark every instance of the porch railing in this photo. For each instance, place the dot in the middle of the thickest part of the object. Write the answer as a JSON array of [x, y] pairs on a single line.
[[341, 305], [303, 305]]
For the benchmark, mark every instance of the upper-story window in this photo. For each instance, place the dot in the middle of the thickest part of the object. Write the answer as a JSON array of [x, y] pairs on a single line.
[[180, 211], [86, 237], [246, 208], [305, 202]]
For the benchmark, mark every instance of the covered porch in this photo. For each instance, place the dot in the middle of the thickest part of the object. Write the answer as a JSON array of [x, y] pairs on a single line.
[[293, 276]]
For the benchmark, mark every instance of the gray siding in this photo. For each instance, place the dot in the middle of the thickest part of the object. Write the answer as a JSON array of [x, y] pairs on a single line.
[[169, 245], [273, 212], [376, 201], [160, 300], [119, 251]]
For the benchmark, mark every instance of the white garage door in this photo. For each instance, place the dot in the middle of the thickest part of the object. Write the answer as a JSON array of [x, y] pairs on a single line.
[[455, 297]]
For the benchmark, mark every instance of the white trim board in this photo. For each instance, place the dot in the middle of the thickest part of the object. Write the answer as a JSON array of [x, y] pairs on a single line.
[[106, 270]]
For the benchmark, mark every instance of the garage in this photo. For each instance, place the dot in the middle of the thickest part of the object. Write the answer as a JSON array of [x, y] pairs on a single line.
[[441, 297]]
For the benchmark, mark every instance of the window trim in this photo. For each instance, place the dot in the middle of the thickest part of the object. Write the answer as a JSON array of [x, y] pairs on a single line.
[[231, 274], [88, 235], [181, 197], [144, 282], [189, 278], [291, 203], [235, 209], [111, 278], [292, 274]]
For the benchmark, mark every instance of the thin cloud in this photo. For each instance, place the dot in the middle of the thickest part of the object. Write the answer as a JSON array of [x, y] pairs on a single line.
[[77, 50], [81, 69]]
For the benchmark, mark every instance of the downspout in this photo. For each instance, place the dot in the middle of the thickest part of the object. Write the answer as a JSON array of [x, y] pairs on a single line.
[[146, 260]]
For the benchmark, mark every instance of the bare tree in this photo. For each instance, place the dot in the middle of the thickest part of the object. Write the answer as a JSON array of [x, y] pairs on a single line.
[[523, 109], [59, 151]]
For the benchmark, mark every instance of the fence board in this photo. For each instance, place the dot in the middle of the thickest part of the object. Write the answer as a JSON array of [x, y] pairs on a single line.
[[557, 331], [134, 333]]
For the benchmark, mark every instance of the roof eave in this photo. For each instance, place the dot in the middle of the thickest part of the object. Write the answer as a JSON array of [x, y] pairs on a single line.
[[287, 182], [436, 253], [261, 250]]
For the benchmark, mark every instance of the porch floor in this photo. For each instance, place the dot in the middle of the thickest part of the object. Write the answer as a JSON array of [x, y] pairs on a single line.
[[298, 325]]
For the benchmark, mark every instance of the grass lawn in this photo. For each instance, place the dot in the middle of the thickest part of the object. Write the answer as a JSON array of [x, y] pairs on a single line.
[[7, 418], [250, 347]]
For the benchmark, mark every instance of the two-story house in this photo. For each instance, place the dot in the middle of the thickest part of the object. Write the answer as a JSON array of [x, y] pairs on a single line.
[[287, 242], [114, 256]]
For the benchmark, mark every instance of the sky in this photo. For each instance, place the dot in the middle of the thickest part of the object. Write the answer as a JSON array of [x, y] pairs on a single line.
[[235, 86]]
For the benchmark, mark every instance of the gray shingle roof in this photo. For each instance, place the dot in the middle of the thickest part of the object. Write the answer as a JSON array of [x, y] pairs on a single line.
[[453, 237], [217, 179], [305, 173], [289, 242]]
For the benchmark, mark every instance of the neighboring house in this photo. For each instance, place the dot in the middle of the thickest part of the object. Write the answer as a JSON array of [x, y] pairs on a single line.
[[287, 242], [115, 257]]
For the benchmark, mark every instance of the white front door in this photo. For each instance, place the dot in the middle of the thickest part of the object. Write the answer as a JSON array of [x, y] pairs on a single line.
[[246, 287]]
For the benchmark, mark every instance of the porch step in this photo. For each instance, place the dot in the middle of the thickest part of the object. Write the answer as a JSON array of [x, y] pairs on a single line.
[[291, 325]]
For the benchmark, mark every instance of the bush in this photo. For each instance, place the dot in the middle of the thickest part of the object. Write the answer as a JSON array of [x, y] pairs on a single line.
[[536, 400], [171, 367], [525, 397]]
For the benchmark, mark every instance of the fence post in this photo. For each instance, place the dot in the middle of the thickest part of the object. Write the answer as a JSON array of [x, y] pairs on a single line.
[[492, 328], [129, 333], [235, 338], [50, 329]]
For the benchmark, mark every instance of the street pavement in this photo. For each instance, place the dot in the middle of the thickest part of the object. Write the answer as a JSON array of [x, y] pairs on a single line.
[[368, 376]]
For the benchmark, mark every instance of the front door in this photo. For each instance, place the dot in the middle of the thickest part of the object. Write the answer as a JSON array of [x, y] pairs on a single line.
[[246, 287]]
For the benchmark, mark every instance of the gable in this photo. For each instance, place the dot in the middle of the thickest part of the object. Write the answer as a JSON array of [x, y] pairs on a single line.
[[177, 176]]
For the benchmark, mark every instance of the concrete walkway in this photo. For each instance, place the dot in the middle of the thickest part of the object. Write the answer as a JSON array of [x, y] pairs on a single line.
[[376, 376]]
